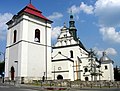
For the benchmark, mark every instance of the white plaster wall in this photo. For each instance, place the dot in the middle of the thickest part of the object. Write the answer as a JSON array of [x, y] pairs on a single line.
[[12, 57], [23, 59], [36, 60], [107, 74], [64, 67], [111, 72], [71, 71], [24, 30], [77, 51], [66, 51]]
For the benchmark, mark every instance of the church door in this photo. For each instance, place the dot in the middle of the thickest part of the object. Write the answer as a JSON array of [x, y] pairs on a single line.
[[12, 73], [86, 79], [59, 77]]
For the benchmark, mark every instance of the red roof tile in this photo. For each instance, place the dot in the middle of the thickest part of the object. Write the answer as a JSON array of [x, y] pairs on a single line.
[[32, 10]]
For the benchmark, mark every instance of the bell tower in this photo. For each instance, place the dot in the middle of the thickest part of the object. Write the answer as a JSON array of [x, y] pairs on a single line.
[[72, 28], [28, 49]]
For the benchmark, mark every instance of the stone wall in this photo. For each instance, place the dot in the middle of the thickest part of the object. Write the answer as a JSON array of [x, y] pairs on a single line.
[[82, 84], [93, 84]]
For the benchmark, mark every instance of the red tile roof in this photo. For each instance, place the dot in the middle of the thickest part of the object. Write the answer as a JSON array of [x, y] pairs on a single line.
[[32, 10]]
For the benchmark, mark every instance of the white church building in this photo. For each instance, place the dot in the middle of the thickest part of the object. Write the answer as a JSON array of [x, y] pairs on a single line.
[[29, 56], [72, 61], [28, 49]]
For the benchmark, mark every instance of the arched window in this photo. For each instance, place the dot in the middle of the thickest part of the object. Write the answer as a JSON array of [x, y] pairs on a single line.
[[37, 35], [71, 54], [14, 36], [86, 70]]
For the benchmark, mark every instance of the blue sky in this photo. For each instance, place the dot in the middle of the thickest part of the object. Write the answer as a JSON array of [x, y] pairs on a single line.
[[97, 21]]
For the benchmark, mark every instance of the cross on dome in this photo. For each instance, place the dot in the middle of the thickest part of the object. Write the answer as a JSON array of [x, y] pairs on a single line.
[[30, 1]]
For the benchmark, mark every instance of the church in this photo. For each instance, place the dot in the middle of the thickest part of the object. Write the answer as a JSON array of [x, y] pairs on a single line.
[[29, 57], [72, 61]]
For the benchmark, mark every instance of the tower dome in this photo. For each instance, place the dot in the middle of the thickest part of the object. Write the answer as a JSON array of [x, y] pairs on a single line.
[[105, 58]]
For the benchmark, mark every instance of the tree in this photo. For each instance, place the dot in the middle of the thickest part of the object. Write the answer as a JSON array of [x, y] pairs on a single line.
[[117, 74], [93, 66]]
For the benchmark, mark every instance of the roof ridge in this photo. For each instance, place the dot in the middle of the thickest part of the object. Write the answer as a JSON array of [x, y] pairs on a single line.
[[33, 8]]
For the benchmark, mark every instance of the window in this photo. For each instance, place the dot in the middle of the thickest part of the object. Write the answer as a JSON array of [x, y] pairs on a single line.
[[71, 54], [37, 35], [86, 70], [14, 36], [59, 52], [106, 67], [65, 35]]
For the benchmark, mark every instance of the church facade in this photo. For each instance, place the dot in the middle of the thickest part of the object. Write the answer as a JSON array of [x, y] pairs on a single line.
[[29, 57], [72, 61]]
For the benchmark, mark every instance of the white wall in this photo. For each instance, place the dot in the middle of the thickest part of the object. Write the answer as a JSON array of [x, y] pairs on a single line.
[[108, 74]]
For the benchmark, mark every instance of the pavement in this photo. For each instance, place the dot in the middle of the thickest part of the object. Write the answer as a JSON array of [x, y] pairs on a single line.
[[32, 87]]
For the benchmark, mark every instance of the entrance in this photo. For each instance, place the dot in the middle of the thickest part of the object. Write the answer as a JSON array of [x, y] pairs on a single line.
[[59, 77], [12, 73], [86, 78]]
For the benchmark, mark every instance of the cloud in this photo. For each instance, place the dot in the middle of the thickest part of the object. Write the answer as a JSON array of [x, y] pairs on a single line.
[[86, 9], [98, 51], [55, 15], [75, 9], [55, 32], [83, 7], [110, 34], [3, 27], [109, 51], [108, 12]]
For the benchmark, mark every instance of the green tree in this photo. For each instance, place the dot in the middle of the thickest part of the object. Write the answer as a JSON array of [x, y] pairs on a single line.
[[116, 74]]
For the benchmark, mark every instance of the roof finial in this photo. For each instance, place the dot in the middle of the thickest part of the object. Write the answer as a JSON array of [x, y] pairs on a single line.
[[104, 53], [64, 24], [71, 15], [71, 12], [30, 1]]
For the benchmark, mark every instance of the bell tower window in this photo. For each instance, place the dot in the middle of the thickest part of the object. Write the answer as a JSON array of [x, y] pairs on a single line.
[[37, 35], [106, 67], [14, 36]]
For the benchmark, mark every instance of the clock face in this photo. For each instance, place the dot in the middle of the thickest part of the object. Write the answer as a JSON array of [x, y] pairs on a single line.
[[59, 68]]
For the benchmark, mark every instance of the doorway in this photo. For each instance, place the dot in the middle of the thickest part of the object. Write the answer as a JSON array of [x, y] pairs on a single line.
[[12, 73], [86, 79], [59, 77]]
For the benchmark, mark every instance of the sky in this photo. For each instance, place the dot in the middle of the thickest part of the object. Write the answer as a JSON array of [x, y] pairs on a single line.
[[97, 22]]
